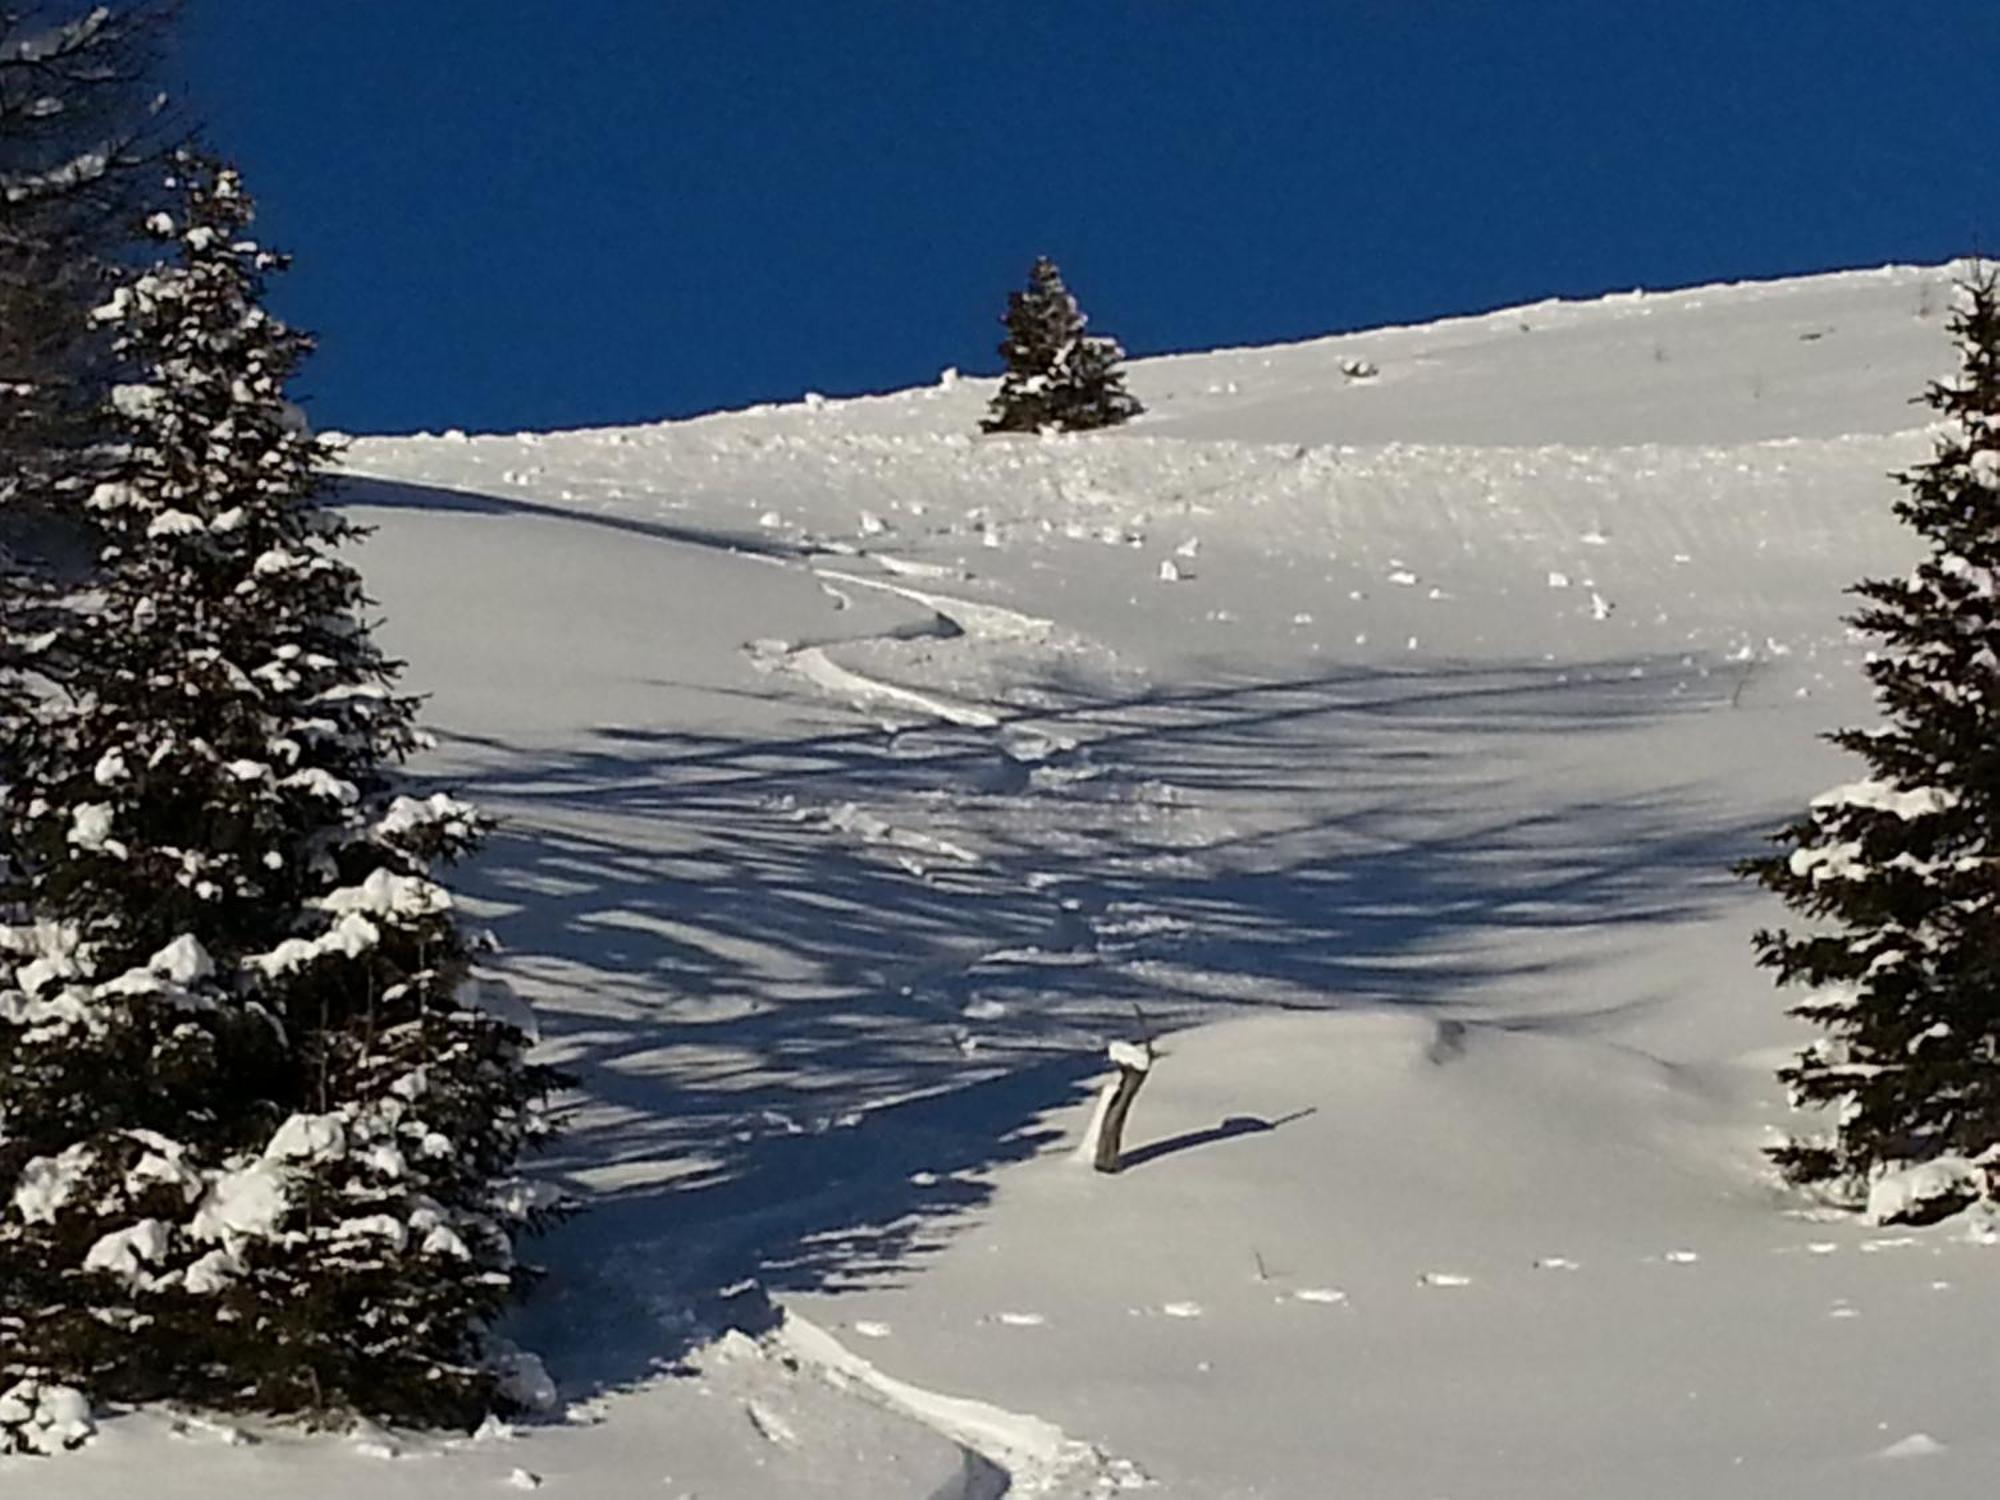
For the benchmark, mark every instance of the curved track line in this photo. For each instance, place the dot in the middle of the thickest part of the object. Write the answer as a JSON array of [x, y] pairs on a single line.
[[1037, 1456]]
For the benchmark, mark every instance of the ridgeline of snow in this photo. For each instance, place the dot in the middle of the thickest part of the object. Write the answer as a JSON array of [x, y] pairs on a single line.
[[1378, 741]]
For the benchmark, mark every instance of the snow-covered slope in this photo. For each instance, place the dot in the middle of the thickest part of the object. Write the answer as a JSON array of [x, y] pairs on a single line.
[[1385, 741]]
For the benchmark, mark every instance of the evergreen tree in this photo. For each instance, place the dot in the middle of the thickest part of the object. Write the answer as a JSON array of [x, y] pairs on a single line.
[[79, 126], [1057, 375], [1899, 872], [259, 1126]]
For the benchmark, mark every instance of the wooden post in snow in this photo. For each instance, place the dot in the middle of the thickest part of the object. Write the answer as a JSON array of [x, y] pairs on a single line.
[[1103, 1141]]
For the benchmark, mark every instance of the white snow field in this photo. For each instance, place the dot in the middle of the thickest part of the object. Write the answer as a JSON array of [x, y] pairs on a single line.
[[1378, 745]]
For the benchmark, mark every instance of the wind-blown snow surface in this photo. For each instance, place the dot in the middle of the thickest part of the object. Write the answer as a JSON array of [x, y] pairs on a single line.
[[1381, 744]]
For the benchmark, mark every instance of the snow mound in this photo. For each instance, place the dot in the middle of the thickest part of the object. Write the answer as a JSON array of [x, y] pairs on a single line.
[[1925, 1192]]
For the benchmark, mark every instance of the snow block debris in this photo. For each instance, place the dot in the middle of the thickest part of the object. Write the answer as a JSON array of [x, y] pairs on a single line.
[[41, 1418], [1036, 1455], [1925, 1193]]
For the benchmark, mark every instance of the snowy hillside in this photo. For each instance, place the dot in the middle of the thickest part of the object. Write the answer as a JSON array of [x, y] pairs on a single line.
[[1382, 743]]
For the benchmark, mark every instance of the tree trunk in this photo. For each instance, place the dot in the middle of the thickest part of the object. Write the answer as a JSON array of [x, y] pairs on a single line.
[[1104, 1139], [1111, 1136]]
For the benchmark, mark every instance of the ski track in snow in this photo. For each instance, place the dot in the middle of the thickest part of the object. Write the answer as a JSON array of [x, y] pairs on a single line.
[[981, 621], [1037, 1457], [1015, 737], [814, 665]]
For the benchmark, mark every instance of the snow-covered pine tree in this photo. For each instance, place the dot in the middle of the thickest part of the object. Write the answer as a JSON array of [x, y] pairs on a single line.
[[78, 122], [1057, 375], [260, 1124], [1899, 872], [79, 125]]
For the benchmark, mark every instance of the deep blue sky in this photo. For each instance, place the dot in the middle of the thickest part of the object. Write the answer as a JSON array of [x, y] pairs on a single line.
[[543, 213]]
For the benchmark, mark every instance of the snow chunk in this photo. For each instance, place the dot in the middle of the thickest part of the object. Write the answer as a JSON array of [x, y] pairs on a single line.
[[320, 783], [1983, 581], [136, 401], [212, 1273], [407, 815], [390, 1230], [1130, 1055], [55, 946], [1831, 862], [184, 961], [125, 1253], [111, 768], [277, 560], [308, 1138], [1039, 1456], [169, 974], [37, 1417], [1925, 1192], [1885, 796], [386, 894], [161, 1164], [1916, 1445], [174, 523], [49, 1182], [446, 1242], [242, 1205], [90, 828], [66, 1010], [352, 936]]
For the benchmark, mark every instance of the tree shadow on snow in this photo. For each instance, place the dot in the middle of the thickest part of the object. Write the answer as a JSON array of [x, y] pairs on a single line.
[[1193, 1140], [816, 991], [402, 495]]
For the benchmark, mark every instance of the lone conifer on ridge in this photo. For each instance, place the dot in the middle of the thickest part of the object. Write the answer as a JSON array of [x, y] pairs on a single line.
[[1057, 375]]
